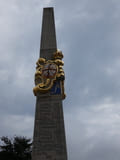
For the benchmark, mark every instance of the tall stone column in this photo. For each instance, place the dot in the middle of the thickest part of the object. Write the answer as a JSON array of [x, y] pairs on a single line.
[[49, 134]]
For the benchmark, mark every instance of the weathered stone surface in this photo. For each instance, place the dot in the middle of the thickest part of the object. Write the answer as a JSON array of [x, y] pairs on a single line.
[[48, 36], [49, 134]]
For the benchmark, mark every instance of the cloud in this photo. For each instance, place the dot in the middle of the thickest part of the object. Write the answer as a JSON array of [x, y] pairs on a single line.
[[93, 133], [21, 124], [88, 34]]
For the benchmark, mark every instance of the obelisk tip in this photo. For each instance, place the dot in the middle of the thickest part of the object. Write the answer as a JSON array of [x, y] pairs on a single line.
[[48, 35]]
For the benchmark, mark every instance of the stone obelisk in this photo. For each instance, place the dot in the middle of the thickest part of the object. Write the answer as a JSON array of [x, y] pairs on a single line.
[[49, 134]]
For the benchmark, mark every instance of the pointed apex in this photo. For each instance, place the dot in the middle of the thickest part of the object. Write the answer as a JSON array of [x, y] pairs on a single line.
[[48, 35], [48, 8]]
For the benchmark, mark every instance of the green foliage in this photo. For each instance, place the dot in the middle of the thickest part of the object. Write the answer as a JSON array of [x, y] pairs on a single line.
[[18, 148]]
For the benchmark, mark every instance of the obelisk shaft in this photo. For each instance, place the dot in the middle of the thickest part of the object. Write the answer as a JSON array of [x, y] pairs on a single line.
[[48, 36], [49, 134]]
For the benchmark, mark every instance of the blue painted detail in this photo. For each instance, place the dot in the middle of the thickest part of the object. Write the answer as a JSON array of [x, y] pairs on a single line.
[[56, 90]]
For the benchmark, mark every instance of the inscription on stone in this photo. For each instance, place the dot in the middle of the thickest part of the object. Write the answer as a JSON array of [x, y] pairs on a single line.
[[48, 124]]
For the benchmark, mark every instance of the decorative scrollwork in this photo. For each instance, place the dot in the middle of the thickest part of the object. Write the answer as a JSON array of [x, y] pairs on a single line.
[[47, 72]]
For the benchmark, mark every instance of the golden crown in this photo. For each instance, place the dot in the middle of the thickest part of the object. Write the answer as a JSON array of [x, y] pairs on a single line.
[[58, 55]]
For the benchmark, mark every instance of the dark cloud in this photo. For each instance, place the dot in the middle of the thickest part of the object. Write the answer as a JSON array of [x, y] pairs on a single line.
[[88, 34]]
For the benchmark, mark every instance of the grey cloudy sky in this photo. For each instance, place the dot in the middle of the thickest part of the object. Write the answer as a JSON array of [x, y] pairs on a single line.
[[88, 33]]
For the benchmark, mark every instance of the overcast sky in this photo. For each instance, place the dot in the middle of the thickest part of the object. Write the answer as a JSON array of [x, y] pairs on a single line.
[[88, 33]]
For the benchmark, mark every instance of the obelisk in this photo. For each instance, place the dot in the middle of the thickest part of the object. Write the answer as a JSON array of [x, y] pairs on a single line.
[[49, 141]]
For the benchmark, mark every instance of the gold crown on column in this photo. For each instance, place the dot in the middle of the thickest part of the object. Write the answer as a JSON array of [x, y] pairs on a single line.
[[58, 55]]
